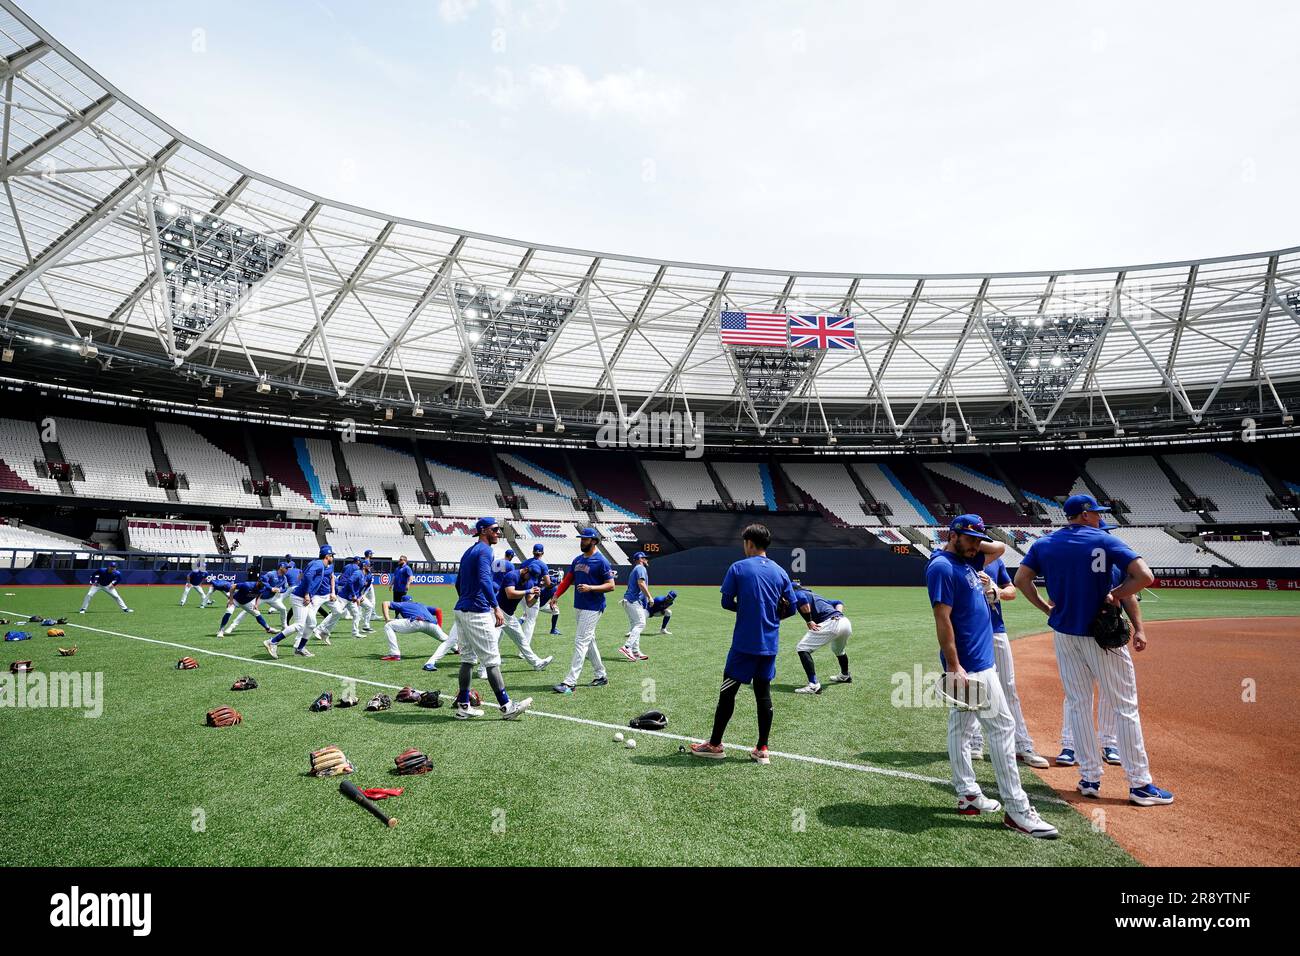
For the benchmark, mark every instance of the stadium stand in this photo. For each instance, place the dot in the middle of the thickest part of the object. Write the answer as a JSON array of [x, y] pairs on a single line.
[[468, 492], [373, 466], [170, 536], [20, 449], [1042, 478], [830, 488], [684, 483], [1162, 550], [316, 457], [548, 493], [887, 488], [891, 536], [1238, 490], [747, 483], [114, 458], [1139, 482], [448, 538], [278, 453], [383, 534], [976, 491], [1257, 552], [557, 537], [214, 477], [272, 539], [613, 479], [23, 537]]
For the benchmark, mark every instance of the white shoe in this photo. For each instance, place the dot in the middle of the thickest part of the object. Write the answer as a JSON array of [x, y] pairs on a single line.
[[669, 633], [465, 712], [516, 707], [303, 652], [976, 753], [271, 649], [842, 679], [975, 804], [367, 629], [1030, 824], [221, 633], [82, 611], [1031, 759], [809, 689], [541, 665], [322, 637]]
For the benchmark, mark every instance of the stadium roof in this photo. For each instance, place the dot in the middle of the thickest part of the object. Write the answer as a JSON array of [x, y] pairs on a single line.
[[108, 211]]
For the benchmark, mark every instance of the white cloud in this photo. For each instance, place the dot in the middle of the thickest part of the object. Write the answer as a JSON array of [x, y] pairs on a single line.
[[634, 93], [454, 11]]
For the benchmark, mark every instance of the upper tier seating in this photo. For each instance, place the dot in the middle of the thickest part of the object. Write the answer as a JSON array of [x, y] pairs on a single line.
[[747, 483], [273, 539], [1162, 550], [373, 466], [1258, 554], [1238, 490], [383, 534], [558, 538], [114, 458], [831, 487], [468, 492], [20, 536], [1138, 482], [20, 449], [170, 536], [978, 492], [548, 493], [886, 488], [685, 483], [214, 477], [319, 465]]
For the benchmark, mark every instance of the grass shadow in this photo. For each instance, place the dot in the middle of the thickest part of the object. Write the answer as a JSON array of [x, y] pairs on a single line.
[[899, 817]]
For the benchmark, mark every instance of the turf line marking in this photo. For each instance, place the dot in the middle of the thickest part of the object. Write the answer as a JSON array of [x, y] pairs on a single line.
[[802, 758]]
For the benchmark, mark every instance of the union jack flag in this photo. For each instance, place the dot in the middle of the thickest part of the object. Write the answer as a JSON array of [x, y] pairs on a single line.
[[822, 332]]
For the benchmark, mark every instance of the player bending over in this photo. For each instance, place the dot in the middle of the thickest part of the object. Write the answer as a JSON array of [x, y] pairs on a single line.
[[516, 586], [194, 581], [753, 590], [409, 617], [105, 579], [245, 595], [662, 608], [826, 625]]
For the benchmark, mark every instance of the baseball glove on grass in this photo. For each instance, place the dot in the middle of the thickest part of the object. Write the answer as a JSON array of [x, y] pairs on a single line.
[[324, 702], [431, 698], [329, 762], [55, 632], [224, 717], [245, 683], [18, 667], [412, 762], [348, 700], [1109, 629], [186, 664], [380, 702], [408, 695], [67, 651]]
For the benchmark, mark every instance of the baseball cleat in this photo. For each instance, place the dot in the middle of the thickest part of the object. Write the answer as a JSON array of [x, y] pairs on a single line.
[[82, 611], [221, 633], [515, 707], [303, 652], [391, 657], [599, 681], [271, 648], [642, 657], [976, 753], [430, 667], [760, 755], [128, 610], [666, 631], [626, 653], [563, 689], [1090, 788], [972, 805], [1066, 758], [323, 638], [465, 712], [1030, 824], [542, 664], [706, 749], [809, 689], [367, 629], [842, 679], [1031, 759], [1149, 796], [1111, 756]]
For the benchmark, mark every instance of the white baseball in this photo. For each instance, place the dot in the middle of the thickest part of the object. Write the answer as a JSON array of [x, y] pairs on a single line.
[[631, 744], [618, 736]]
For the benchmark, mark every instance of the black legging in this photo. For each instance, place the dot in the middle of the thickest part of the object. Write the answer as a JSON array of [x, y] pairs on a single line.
[[727, 706]]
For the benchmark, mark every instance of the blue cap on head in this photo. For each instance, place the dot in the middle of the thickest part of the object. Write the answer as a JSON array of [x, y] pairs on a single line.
[[325, 549], [972, 525], [1076, 505], [284, 564], [673, 595], [483, 524], [288, 558], [510, 552], [369, 553], [638, 556], [539, 549], [589, 533]]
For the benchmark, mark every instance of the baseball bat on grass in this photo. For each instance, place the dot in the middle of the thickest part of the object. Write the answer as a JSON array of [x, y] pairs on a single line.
[[349, 790]]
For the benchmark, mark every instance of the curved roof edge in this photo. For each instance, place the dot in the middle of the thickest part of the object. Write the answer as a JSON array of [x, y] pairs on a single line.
[[93, 74]]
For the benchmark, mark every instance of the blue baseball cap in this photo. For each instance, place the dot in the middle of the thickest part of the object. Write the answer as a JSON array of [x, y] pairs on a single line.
[[510, 552], [638, 556], [972, 525], [288, 558], [284, 564], [483, 524], [588, 533], [325, 549], [1076, 505], [673, 595], [369, 553], [539, 549]]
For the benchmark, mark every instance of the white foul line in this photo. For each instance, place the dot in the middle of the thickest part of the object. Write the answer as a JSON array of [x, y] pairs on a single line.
[[802, 758]]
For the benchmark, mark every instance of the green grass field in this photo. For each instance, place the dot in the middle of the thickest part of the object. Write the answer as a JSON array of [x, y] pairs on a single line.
[[146, 783]]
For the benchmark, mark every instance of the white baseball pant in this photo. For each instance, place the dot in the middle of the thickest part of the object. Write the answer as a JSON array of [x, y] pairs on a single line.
[[584, 647], [448, 642], [303, 624], [999, 731], [342, 608], [408, 626], [836, 631], [1006, 669], [482, 639], [1105, 724], [368, 602], [276, 603], [636, 620], [514, 629], [110, 590], [1081, 662], [185, 596]]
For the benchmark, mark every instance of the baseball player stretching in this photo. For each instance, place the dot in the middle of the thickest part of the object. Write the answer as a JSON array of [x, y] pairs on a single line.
[[594, 579], [479, 619], [662, 608], [636, 602], [965, 630], [105, 579], [409, 617], [826, 625], [194, 581], [515, 586], [997, 585], [1078, 563], [752, 589], [315, 587]]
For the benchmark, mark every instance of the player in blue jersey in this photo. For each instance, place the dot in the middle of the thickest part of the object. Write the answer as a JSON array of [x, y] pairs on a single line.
[[409, 617], [315, 587], [636, 603], [753, 590], [826, 625], [368, 595], [275, 590], [662, 608], [105, 579], [515, 586], [196, 580], [244, 595], [592, 578], [401, 578]]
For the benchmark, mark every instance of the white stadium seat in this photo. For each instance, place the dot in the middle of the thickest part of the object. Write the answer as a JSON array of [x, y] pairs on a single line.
[[114, 458], [747, 483], [373, 466], [383, 534], [20, 449], [684, 483], [1238, 490], [1138, 481], [214, 477], [828, 484], [170, 536], [906, 509], [467, 492], [272, 539]]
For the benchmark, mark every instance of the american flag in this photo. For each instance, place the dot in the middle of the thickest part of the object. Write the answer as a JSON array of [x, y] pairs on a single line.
[[754, 328], [821, 332]]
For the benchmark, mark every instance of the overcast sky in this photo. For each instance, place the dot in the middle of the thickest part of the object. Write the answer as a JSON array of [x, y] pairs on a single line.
[[851, 136]]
